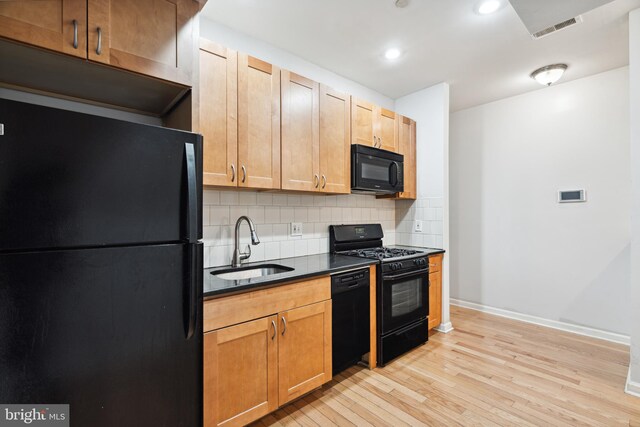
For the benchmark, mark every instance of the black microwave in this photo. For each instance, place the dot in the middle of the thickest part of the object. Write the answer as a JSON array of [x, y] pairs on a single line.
[[376, 171]]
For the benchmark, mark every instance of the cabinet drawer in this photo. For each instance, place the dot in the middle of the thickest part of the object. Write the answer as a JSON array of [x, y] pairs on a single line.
[[435, 263], [226, 311]]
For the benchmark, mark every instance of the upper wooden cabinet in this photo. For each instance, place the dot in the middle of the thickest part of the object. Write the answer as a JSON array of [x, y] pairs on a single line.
[[373, 125], [218, 114], [58, 25], [335, 149], [315, 136], [258, 123], [304, 350], [387, 129], [407, 137], [300, 133], [363, 122], [150, 37]]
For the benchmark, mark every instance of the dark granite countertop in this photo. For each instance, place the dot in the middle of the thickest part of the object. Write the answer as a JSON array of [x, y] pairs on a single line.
[[304, 267], [428, 251]]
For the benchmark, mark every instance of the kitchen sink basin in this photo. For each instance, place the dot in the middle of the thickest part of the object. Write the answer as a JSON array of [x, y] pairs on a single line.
[[243, 273]]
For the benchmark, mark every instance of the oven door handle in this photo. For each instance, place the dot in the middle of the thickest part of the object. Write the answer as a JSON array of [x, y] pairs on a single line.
[[403, 275]]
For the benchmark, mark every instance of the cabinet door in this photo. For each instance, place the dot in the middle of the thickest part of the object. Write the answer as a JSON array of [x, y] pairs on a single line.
[[388, 129], [240, 373], [407, 147], [152, 37], [363, 117], [304, 350], [300, 133], [218, 114], [335, 148], [435, 299], [258, 123], [50, 24]]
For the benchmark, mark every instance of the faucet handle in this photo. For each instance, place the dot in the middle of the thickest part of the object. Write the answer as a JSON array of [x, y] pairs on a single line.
[[247, 254]]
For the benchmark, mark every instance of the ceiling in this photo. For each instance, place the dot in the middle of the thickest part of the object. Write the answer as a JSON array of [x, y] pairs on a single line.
[[483, 58]]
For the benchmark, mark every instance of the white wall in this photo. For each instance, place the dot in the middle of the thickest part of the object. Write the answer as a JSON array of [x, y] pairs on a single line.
[[244, 43], [513, 247], [633, 385], [430, 109]]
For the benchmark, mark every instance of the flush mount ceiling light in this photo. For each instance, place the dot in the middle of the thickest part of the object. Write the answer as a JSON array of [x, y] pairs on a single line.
[[549, 75], [392, 54], [402, 3], [488, 6]]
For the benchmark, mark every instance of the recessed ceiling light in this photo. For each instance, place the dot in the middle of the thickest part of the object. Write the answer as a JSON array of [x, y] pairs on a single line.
[[549, 75], [392, 54], [488, 6]]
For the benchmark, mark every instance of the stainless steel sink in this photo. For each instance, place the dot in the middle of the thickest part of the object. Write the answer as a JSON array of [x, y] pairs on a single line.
[[251, 272]]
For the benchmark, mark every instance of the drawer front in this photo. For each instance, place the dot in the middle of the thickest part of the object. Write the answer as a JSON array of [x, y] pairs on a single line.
[[435, 263], [227, 311]]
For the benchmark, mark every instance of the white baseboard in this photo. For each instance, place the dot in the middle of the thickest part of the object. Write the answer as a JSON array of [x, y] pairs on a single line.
[[563, 326], [632, 387], [444, 327]]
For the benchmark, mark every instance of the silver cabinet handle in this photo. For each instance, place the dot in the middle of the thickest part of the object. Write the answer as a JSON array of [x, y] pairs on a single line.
[[233, 172], [244, 173], [324, 181], [284, 325], [375, 142], [316, 179], [75, 34], [99, 47], [273, 323]]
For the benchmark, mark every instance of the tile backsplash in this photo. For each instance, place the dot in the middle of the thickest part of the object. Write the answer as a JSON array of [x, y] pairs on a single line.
[[273, 214], [428, 210]]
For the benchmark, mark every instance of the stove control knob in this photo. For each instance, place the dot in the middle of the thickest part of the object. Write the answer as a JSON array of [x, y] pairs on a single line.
[[423, 262]]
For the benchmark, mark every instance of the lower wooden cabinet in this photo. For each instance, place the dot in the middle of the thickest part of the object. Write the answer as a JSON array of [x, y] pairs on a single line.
[[435, 291], [254, 367], [304, 350], [241, 373]]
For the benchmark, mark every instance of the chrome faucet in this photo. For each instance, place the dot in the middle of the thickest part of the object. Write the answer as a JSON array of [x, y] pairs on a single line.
[[238, 256]]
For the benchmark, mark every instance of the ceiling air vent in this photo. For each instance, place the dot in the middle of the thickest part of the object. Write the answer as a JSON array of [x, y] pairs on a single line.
[[562, 25]]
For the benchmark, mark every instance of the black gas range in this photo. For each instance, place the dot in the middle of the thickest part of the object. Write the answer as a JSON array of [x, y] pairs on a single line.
[[402, 287]]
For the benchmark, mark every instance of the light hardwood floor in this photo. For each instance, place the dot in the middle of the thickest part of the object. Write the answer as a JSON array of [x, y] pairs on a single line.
[[489, 371]]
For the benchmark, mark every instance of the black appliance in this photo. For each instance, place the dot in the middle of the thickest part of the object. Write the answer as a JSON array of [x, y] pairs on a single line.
[[100, 268], [376, 171], [350, 311], [402, 287]]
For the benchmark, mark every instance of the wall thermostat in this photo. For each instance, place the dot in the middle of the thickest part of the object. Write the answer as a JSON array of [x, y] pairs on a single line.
[[572, 196]]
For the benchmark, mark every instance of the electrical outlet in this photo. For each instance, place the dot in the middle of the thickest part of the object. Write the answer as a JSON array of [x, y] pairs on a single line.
[[417, 226], [296, 229]]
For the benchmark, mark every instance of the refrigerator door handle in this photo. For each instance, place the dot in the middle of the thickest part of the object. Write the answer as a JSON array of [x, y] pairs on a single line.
[[192, 193], [194, 270]]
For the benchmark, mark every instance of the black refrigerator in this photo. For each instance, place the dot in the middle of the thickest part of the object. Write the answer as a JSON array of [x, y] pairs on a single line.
[[100, 267]]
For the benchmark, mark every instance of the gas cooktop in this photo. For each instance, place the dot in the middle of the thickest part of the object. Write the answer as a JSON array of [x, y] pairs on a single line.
[[381, 253], [365, 241]]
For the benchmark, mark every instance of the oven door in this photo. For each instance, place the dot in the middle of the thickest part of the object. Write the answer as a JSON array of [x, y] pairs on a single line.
[[404, 299], [377, 174]]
